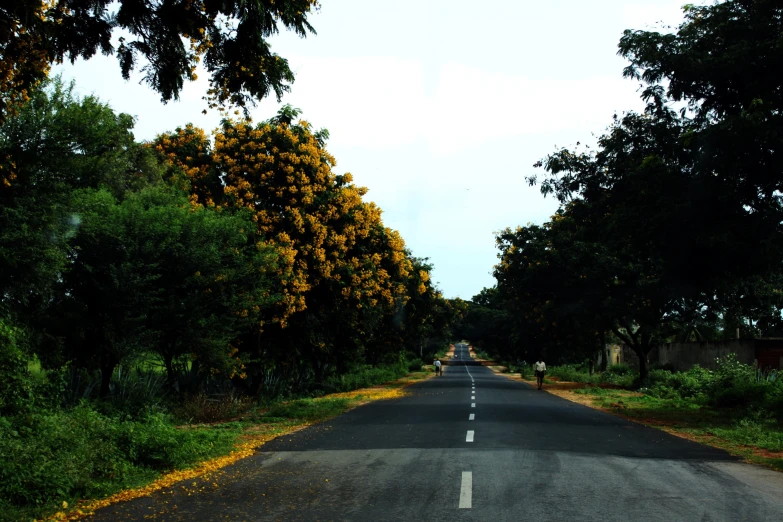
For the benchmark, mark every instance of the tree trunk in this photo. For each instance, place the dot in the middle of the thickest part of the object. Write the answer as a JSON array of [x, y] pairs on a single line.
[[168, 361], [644, 364], [604, 352], [108, 363], [640, 344]]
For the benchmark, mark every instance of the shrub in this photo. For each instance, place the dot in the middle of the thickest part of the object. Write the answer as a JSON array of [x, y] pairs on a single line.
[[415, 365], [16, 387], [735, 384], [619, 369], [363, 376], [693, 384], [526, 371], [732, 385], [572, 372], [46, 458], [625, 380], [202, 408], [774, 399], [133, 392]]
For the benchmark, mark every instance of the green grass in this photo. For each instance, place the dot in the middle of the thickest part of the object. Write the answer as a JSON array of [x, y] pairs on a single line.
[[738, 431], [758, 433], [310, 410]]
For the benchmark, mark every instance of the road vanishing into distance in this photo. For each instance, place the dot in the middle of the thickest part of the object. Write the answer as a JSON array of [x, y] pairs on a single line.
[[474, 445]]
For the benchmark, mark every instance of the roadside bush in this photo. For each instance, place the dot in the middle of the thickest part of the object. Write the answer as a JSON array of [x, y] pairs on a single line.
[[620, 369], [16, 386], [136, 390], [525, 370], [572, 373], [415, 365], [732, 385], [363, 376], [203, 408], [774, 400], [625, 380], [50, 457], [735, 384], [692, 385]]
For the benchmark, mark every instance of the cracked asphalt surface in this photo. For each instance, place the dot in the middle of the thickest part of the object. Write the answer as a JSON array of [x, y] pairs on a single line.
[[532, 456]]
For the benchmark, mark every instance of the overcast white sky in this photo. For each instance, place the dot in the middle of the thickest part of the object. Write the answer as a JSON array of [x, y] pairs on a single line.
[[439, 107]]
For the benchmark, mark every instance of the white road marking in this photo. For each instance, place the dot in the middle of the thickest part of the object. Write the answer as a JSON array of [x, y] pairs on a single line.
[[472, 404], [468, 369], [472, 416], [473, 398], [469, 437], [466, 490]]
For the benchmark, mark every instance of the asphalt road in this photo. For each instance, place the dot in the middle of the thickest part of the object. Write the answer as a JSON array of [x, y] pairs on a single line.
[[473, 445]]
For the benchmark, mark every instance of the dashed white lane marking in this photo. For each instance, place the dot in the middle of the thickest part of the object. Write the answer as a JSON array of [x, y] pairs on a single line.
[[469, 437], [472, 416], [466, 490], [473, 397], [469, 374], [472, 404]]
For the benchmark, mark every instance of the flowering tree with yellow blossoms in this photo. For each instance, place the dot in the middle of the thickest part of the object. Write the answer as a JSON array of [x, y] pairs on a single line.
[[346, 274]]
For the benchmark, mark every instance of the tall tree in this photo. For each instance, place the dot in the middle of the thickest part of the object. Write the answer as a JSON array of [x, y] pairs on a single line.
[[151, 273], [722, 62], [57, 143], [662, 225], [348, 271], [488, 322]]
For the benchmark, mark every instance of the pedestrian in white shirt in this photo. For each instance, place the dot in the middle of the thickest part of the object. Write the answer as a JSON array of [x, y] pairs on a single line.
[[437, 367], [540, 372]]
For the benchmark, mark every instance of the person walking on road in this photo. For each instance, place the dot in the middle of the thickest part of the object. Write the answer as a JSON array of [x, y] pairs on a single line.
[[437, 367], [540, 372]]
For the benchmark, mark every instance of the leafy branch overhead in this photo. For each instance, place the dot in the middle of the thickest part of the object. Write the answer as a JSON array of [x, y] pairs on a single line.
[[164, 39]]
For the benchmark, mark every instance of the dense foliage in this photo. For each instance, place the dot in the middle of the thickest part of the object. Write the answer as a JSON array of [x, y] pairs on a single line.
[[145, 285], [165, 40], [350, 290], [670, 227]]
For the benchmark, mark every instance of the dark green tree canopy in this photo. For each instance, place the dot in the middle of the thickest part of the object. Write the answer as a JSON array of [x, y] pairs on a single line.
[[166, 39], [724, 62], [724, 59]]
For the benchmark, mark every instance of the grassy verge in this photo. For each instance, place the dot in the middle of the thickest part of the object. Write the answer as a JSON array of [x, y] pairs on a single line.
[[755, 438], [212, 447]]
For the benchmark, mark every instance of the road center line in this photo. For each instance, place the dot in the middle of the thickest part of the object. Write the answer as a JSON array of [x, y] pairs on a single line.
[[473, 398], [466, 490], [469, 437], [472, 404], [468, 369], [472, 416]]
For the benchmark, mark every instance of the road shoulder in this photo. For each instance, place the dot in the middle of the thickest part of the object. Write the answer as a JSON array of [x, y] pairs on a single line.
[[693, 426]]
